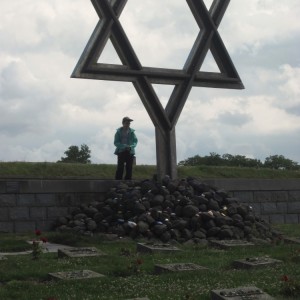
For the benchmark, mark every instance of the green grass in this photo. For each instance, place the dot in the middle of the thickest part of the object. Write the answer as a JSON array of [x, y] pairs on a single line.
[[15, 244], [291, 230], [23, 278], [107, 171]]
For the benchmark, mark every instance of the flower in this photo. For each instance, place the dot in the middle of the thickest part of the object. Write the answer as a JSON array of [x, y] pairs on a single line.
[[38, 232], [44, 239], [37, 247], [290, 286]]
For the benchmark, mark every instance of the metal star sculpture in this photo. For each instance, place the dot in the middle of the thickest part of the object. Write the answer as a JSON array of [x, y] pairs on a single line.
[[131, 70]]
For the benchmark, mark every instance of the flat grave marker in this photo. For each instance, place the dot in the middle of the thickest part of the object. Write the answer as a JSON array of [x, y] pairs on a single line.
[[139, 299], [2, 257], [229, 244], [71, 275], [241, 293], [79, 252], [255, 262], [291, 240], [152, 248], [177, 267]]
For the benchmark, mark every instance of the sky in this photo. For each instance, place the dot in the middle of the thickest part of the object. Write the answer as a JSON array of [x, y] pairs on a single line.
[[43, 111]]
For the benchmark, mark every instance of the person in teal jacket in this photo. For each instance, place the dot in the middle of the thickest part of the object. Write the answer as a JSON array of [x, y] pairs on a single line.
[[125, 141]]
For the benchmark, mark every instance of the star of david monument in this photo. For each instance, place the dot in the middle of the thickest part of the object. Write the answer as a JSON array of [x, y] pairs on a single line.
[[142, 78]]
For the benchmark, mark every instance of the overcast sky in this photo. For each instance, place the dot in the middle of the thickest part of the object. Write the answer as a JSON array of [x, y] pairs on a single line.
[[44, 111]]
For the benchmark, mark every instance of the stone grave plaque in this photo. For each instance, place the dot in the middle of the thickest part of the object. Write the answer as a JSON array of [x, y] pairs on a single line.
[[241, 293], [255, 262], [291, 240], [2, 257], [229, 244], [72, 275], [79, 252], [177, 267], [152, 248], [139, 299]]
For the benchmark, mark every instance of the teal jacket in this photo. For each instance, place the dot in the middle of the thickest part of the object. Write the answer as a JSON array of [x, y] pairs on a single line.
[[132, 141]]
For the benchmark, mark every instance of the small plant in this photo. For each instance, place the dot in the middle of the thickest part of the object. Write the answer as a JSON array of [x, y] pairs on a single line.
[[278, 240], [290, 286], [134, 261], [37, 244]]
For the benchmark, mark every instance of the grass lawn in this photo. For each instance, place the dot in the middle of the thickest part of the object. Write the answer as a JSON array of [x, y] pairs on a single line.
[[21, 277]]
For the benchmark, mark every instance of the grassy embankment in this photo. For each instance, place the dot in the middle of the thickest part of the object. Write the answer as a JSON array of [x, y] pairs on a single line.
[[106, 171]]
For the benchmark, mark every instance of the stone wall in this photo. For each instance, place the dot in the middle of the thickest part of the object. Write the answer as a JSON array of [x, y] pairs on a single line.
[[28, 204]]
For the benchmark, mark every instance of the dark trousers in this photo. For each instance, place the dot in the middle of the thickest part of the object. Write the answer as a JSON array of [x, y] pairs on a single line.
[[124, 159]]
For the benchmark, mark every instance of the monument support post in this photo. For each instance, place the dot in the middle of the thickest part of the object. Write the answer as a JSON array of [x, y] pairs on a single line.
[[166, 153]]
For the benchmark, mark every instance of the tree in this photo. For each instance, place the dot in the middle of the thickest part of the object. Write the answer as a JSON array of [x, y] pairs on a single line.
[[280, 162], [74, 155]]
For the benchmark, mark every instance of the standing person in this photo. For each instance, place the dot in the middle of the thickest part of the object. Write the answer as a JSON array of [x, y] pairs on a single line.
[[125, 142]]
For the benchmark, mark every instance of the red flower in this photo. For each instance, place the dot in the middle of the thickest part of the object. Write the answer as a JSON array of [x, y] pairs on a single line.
[[285, 278], [139, 261], [44, 239], [38, 232]]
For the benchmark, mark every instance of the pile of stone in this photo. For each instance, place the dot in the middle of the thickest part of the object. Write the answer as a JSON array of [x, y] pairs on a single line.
[[181, 210]]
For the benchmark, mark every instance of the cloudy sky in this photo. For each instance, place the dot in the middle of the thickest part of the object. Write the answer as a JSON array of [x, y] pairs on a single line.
[[43, 111]]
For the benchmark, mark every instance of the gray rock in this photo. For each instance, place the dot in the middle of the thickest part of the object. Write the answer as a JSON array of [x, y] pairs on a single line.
[[91, 225]]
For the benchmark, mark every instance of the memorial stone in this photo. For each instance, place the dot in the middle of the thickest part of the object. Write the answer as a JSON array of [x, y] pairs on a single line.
[[177, 267], [255, 262], [152, 248], [291, 240], [72, 275], [229, 244], [241, 293], [139, 299], [79, 252]]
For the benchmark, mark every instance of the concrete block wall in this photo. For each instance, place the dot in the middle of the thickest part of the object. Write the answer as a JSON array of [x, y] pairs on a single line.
[[29, 204]]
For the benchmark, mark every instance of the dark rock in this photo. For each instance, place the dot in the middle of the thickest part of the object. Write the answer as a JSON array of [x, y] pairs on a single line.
[[139, 208], [165, 237], [209, 224], [237, 217], [225, 234], [199, 234], [159, 229], [186, 234], [62, 221], [80, 216], [213, 231], [90, 211], [143, 227], [171, 210], [190, 211], [202, 207], [91, 225], [213, 204], [179, 224], [157, 200]]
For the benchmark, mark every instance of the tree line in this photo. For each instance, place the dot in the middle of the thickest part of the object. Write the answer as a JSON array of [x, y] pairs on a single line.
[[214, 159], [74, 154]]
